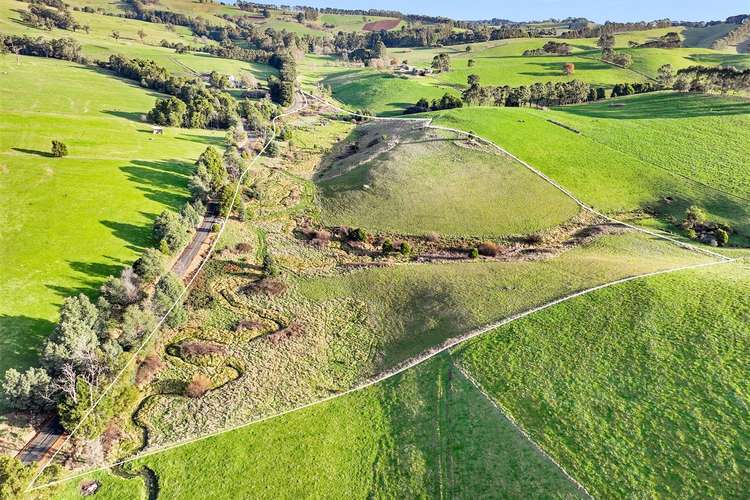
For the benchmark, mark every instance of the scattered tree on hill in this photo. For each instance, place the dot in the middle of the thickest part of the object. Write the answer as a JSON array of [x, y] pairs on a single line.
[[441, 62], [470, 63], [115, 35], [142, 35], [468, 49], [606, 42], [59, 149], [666, 76]]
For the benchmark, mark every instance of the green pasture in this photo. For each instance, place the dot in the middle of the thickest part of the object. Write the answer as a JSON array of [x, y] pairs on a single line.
[[425, 433], [658, 152], [639, 390], [68, 223]]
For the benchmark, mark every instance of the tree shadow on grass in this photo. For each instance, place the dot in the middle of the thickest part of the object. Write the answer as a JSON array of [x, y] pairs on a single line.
[[138, 237], [46, 154], [21, 338], [162, 181], [209, 140], [128, 115]]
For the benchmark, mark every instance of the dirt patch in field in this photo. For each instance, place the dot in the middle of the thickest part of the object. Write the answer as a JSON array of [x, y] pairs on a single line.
[[385, 24]]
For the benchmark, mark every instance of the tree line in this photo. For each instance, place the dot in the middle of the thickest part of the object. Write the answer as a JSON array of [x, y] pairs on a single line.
[[56, 48], [613, 27]]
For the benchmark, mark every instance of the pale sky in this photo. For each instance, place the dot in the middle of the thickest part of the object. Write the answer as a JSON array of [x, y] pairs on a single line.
[[523, 10]]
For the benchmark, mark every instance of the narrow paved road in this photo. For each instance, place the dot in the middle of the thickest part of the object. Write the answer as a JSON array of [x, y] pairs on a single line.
[[184, 262], [42, 443]]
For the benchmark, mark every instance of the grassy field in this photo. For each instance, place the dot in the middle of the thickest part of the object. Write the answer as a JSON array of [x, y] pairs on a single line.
[[99, 44], [657, 146], [425, 433], [68, 223], [431, 183], [639, 390]]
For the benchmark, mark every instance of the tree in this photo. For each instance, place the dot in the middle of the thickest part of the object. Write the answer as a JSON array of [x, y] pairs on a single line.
[[150, 265], [59, 149], [473, 80], [471, 63], [76, 337], [272, 150], [569, 68], [169, 292], [441, 62], [123, 290], [380, 50], [142, 35], [211, 160], [170, 229], [270, 268], [116, 35], [468, 49], [606, 42], [28, 391], [266, 13], [168, 112], [137, 321], [666, 76], [14, 478]]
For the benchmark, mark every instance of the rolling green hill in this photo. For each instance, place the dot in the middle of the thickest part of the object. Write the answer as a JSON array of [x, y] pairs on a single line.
[[433, 181], [638, 390]]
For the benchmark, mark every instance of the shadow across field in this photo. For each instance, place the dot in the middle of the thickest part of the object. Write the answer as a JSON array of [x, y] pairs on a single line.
[[162, 181], [20, 338], [33, 152], [128, 115], [663, 105]]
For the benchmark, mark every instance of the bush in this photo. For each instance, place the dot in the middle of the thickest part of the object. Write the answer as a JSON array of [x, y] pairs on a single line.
[[694, 215], [473, 253], [198, 386], [488, 249], [387, 246], [405, 248], [358, 234], [137, 321], [270, 269], [148, 369], [722, 237], [692, 234], [272, 150], [201, 348], [59, 149]]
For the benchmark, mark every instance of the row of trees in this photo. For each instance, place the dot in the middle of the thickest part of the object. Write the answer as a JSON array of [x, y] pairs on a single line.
[[609, 27], [712, 79], [539, 94], [56, 48]]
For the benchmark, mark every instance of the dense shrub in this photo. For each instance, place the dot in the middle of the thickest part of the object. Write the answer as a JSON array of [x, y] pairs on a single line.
[[59, 149], [148, 369], [201, 348], [488, 249], [198, 386]]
